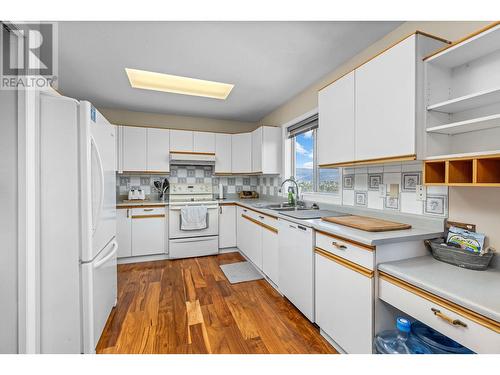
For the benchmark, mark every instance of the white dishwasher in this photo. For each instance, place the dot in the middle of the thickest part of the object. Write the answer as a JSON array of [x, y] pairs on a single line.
[[296, 265]]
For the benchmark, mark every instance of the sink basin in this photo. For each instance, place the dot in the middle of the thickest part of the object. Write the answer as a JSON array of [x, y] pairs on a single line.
[[284, 207]]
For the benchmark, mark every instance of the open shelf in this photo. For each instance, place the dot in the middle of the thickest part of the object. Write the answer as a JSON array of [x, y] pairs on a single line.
[[466, 102], [435, 172], [481, 123], [476, 46], [460, 171], [488, 171], [474, 171]]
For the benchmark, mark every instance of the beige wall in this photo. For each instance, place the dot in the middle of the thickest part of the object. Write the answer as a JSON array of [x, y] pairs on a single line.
[[308, 99], [124, 117], [480, 206]]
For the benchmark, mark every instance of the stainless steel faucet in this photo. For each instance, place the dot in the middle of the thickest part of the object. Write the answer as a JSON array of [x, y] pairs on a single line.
[[292, 179]]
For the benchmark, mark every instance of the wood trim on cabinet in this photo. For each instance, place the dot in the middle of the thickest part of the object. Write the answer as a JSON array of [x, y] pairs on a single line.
[[246, 208], [417, 32], [142, 206], [352, 242], [192, 153], [371, 161], [147, 216], [259, 223], [144, 172], [344, 262], [227, 204], [457, 309], [465, 38]]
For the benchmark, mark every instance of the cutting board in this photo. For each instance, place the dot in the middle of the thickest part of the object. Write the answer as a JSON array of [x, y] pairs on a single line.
[[368, 224]]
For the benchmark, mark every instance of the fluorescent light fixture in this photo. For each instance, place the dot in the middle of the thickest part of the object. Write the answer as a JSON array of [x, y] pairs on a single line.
[[142, 79]]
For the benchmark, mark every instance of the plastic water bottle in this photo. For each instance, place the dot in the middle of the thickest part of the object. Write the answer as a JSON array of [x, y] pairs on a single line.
[[400, 341]]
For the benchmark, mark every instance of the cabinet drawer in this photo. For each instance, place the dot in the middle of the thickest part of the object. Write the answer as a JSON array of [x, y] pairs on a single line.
[[470, 329], [364, 256], [141, 212]]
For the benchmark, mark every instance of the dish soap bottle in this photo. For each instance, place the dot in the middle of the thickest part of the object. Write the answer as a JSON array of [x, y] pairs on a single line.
[[291, 199]]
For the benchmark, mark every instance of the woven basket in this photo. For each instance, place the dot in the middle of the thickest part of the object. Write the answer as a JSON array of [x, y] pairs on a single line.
[[457, 256]]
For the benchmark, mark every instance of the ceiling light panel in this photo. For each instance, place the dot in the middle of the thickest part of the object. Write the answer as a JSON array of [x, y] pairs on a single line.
[[142, 79]]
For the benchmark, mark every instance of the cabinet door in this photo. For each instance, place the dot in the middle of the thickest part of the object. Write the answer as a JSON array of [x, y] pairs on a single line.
[[148, 236], [158, 150], [344, 305], [254, 246], [227, 226], [270, 255], [257, 150], [223, 153], [181, 140], [241, 153], [203, 142], [271, 150], [241, 230], [385, 103], [134, 148], [336, 121], [124, 232]]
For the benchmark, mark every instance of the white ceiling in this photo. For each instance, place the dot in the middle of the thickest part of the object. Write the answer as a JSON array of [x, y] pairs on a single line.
[[268, 62]]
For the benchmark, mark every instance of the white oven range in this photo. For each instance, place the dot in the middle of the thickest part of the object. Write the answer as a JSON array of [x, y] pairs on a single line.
[[198, 242]]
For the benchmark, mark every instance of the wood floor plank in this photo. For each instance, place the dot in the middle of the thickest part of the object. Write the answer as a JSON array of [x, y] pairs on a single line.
[[188, 306]]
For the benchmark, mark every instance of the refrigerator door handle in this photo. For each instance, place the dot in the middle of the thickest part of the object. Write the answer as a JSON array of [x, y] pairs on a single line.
[[97, 213], [107, 257]]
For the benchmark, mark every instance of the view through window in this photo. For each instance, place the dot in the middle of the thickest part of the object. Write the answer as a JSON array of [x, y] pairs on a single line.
[[309, 177]]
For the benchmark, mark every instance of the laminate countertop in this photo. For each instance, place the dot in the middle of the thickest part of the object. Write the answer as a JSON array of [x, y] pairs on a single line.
[[475, 290], [369, 238]]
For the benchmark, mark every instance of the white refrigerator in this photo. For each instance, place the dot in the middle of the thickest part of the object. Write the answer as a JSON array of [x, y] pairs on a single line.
[[78, 248]]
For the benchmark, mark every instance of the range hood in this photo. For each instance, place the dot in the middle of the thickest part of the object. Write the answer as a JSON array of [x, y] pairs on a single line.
[[192, 158]]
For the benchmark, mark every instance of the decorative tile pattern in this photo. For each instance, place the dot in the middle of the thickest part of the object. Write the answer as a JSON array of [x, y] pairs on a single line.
[[403, 177]]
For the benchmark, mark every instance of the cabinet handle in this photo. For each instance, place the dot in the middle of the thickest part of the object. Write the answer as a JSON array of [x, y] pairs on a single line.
[[148, 209], [220, 209], [128, 213], [339, 245], [261, 217], [453, 322], [301, 227], [245, 210], [291, 226]]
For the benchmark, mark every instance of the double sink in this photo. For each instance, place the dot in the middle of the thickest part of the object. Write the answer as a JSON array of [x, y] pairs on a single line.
[[301, 212]]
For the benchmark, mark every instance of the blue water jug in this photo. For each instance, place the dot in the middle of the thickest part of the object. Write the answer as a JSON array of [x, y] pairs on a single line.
[[400, 341]]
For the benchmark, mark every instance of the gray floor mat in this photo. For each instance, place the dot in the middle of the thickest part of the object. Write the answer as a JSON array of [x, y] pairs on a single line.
[[240, 272]]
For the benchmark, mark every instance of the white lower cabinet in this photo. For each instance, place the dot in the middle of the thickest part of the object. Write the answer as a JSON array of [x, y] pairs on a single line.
[[124, 232], [270, 255], [344, 304], [141, 231], [257, 239], [296, 265], [227, 226]]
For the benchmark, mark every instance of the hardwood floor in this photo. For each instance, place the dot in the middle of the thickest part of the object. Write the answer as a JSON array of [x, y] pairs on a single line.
[[188, 306]]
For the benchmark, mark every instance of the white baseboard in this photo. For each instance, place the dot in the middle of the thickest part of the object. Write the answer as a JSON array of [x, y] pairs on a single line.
[[142, 258], [229, 250], [332, 342]]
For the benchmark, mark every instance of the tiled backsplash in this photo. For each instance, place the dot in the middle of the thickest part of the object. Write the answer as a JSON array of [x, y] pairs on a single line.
[[264, 185], [360, 187]]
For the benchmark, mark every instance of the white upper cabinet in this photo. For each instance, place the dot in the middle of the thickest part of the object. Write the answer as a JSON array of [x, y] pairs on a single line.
[[241, 153], [266, 150], [336, 121], [223, 153], [257, 150], [134, 141], [181, 140], [203, 142], [158, 150], [385, 103]]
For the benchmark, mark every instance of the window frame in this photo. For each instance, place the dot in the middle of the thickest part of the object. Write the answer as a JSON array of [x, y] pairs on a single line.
[[316, 182]]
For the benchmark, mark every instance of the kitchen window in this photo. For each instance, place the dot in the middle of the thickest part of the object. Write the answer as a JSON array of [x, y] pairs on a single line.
[[304, 166]]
